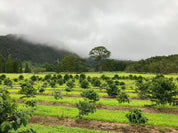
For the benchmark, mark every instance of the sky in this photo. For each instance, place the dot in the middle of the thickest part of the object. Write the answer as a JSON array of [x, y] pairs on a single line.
[[129, 29]]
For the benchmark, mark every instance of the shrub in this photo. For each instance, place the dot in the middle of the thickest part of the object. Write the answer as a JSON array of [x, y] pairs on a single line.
[[68, 89], [57, 94], [82, 76], [162, 91], [112, 90], [122, 83], [11, 116], [52, 83], [123, 97], [116, 82], [21, 77], [70, 83], [136, 116], [95, 82], [66, 77], [45, 85], [30, 102], [84, 84], [34, 78], [8, 82], [91, 95], [2, 77], [28, 90], [41, 90], [85, 107], [60, 81]]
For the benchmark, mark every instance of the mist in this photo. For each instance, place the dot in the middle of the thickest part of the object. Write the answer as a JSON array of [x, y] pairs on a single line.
[[131, 30]]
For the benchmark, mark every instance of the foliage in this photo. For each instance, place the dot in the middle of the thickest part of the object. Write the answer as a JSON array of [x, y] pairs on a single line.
[[96, 82], [72, 64], [100, 53], [123, 97], [68, 89], [8, 82], [84, 84], [142, 88], [30, 102], [52, 83], [21, 77], [85, 107], [41, 90], [162, 91], [91, 95], [136, 116], [70, 83], [11, 116], [112, 90], [27, 89], [57, 94]]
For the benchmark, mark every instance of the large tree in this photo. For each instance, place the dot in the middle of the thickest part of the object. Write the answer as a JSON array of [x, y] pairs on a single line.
[[100, 53]]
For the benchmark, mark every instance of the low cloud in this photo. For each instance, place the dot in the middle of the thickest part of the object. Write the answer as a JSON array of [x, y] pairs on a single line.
[[129, 29]]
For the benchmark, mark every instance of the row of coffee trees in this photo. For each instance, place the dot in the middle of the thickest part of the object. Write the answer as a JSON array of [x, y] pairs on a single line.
[[160, 90]]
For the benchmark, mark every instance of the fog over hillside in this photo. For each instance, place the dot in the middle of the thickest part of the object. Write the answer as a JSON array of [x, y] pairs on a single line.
[[130, 29]]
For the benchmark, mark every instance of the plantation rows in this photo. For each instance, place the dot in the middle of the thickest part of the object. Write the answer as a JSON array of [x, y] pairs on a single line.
[[108, 97]]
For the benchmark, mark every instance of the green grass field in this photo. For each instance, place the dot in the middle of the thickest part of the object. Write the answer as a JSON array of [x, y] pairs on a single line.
[[115, 116]]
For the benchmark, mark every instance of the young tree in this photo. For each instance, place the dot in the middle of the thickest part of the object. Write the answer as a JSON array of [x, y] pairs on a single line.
[[100, 53], [27, 69]]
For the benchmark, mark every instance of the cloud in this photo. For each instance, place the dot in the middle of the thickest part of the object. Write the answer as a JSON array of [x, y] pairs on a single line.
[[129, 29]]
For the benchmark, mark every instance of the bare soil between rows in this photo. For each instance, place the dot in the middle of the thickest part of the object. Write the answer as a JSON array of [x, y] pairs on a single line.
[[116, 108], [98, 125]]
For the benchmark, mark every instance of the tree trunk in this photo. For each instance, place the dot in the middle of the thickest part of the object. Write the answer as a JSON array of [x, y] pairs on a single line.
[[100, 68]]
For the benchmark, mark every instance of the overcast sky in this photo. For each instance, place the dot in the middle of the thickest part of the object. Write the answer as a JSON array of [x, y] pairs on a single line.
[[130, 29]]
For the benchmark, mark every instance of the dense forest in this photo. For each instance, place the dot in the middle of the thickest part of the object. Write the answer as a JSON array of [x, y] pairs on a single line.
[[158, 64], [27, 51]]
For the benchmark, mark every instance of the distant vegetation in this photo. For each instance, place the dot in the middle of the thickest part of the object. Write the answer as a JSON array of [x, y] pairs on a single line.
[[18, 55]]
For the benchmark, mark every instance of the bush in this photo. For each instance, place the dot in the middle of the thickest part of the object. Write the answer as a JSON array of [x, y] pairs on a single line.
[[95, 82], [85, 107], [8, 82], [136, 116], [121, 83], [66, 77], [91, 95], [21, 77], [28, 90], [123, 97], [82, 76], [52, 83], [70, 83], [45, 85], [162, 91], [41, 90], [57, 94], [11, 116], [68, 89], [112, 90], [84, 84], [30, 102], [2, 77], [60, 81]]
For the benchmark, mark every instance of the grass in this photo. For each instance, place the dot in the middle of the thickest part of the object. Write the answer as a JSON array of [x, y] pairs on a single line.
[[57, 129], [104, 101], [107, 115]]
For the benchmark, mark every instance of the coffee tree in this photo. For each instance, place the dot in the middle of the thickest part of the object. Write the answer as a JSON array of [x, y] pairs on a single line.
[[123, 97], [12, 117], [136, 116], [85, 107], [91, 95]]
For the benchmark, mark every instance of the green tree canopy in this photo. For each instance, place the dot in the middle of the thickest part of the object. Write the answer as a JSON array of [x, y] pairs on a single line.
[[100, 53]]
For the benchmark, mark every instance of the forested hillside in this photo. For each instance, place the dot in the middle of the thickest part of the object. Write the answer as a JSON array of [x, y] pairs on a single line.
[[24, 50], [158, 64]]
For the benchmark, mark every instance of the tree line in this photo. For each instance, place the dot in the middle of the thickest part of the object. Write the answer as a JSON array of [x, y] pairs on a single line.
[[12, 66]]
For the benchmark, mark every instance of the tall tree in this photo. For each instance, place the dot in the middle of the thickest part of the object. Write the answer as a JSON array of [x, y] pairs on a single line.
[[27, 69], [9, 65], [2, 64], [100, 53]]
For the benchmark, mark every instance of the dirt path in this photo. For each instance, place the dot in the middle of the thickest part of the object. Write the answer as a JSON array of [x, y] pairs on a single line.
[[97, 125]]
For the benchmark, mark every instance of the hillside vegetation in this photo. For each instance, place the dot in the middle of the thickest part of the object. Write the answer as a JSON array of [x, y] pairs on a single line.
[[24, 50]]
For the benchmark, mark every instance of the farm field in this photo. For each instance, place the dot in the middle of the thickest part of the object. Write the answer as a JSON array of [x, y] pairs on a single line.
[[59, 115]]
